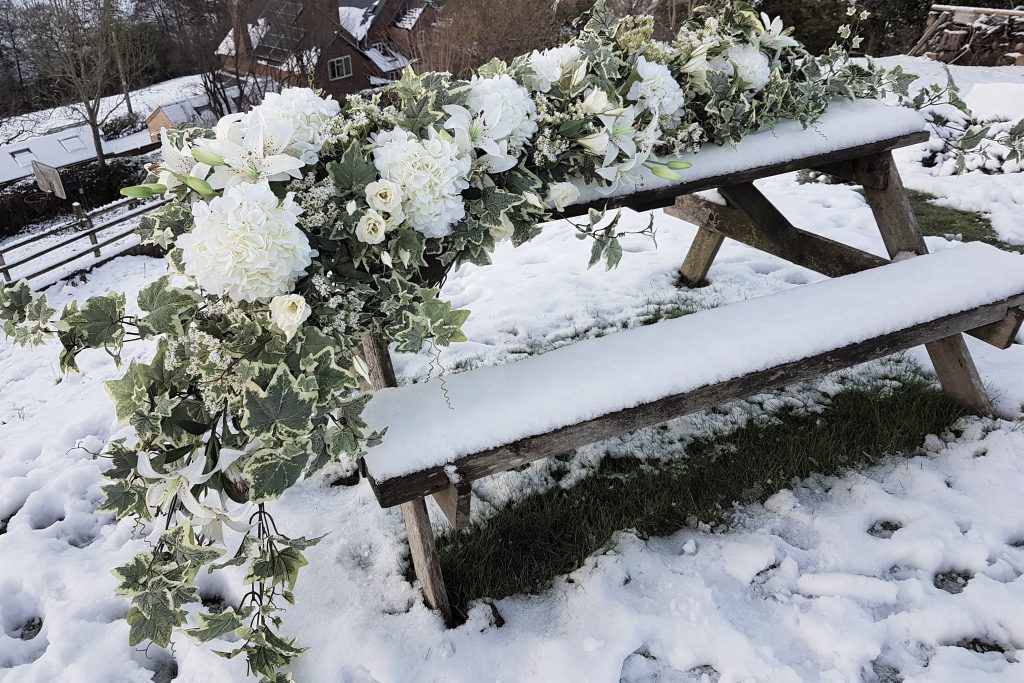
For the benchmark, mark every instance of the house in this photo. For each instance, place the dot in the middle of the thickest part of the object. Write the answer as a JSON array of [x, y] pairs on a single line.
[[191, 112], [340, 46], [65, 146]]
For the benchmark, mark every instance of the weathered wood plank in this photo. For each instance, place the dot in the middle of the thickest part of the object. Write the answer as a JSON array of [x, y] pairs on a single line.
[[454, 502], [902, 234], [401, 489], [414, 511], [818, 253], [1002, 333], [658, 198], [701, 255], [424, 557], [848, 171]]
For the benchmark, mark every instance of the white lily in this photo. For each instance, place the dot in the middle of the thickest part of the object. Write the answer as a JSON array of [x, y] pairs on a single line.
[[212, 519], [775, 35], [487, 131], [187, 474], [253, 153], [177, 162]]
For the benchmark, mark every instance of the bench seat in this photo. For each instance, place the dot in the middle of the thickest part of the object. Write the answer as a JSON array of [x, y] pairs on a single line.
[[498, 412]]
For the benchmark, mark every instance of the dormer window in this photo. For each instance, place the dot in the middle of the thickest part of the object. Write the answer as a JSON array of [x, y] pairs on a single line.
[[23, 157]]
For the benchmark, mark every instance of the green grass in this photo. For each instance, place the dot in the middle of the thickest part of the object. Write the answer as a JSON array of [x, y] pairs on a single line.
[[524, 547], [941, 221]]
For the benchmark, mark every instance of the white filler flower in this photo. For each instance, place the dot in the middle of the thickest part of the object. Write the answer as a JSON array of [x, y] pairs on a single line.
[[246, 245], [431, 175], [657, 89], [747, 63], [288, 312], [551, 65]]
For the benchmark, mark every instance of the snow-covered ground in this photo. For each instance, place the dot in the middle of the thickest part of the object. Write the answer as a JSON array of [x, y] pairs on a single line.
[[798, 589]]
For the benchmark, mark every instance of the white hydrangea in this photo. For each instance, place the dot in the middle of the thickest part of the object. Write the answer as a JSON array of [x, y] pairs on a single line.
[[431, 175], [308, 114], [246, 245], [657, 89], [552, 64], [516, 109], [745, 62]]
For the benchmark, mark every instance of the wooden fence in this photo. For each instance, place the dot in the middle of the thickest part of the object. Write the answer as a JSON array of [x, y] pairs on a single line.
[[87, 228]]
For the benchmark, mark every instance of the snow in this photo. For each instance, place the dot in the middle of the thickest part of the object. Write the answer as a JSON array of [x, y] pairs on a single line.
[[144, 101], [996, 100], [431, 425], [388, 60], [844, 125], [357, 16], [777, 596]]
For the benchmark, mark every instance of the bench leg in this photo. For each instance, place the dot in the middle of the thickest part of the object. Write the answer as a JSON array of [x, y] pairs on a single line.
[[902, 234], [701, 255], [424, 557]]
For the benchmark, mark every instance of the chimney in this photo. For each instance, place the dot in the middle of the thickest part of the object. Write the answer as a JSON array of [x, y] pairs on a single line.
[[243, 44]]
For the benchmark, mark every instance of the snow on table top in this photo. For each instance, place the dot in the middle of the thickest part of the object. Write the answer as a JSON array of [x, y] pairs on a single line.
[[497, 405], [847, 123]]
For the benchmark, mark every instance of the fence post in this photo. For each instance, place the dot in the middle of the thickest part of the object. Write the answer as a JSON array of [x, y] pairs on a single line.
[[6, 273], [86, 220]]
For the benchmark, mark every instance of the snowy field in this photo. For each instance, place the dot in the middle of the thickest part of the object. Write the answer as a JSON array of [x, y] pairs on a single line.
[[810, 586]]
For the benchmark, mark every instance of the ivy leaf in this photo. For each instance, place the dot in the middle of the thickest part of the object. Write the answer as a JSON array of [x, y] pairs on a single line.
[[128, 393], [353, 171], [99, 320], [157, 627], [165, 305], [612, 254], [124, 499], [273, 471], [282, 409], [216, 625]]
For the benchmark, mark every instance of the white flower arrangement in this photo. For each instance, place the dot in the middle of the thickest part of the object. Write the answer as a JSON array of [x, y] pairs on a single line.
[[746, 63]]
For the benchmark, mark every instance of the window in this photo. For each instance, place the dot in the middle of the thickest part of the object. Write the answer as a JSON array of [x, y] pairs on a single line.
[[380, 47], [71, 143], [24, 157], [339, 67]]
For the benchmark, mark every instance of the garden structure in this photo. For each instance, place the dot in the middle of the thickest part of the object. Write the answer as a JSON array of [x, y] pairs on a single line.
[[441, 439]]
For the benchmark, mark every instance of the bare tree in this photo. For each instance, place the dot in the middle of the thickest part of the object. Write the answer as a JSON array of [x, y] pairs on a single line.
[[76, 49]]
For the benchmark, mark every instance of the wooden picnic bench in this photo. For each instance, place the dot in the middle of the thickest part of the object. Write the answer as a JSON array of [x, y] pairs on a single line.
[[502, 417]]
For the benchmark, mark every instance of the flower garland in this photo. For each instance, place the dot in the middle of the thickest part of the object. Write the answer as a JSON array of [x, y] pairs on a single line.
[[304, 225]]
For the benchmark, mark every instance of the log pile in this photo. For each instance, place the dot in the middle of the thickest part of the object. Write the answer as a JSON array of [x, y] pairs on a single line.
[[974, 36]]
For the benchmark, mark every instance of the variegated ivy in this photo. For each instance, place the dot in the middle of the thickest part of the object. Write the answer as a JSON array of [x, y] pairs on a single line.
[[362, 208]]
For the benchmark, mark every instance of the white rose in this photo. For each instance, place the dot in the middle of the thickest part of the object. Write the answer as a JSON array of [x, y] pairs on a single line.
[[561, 195], [595, 143], [384, 196], [371, 228], [595, 102], [288, 313]]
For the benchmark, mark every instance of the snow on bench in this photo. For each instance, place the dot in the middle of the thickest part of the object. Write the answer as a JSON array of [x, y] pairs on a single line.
[[847, 128], [495, 406]]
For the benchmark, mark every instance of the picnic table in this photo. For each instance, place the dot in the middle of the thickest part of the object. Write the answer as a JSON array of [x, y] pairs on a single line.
[[440, 440]]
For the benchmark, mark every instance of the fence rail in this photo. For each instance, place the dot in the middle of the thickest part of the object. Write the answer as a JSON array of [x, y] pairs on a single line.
[[84, 227]]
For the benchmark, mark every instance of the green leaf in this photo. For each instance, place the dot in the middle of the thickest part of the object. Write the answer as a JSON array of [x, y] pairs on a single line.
[[282, 409], [129, 393], [212, 626], [353, 171], [612, 254], [137, 191], [99, 320], [157, 627], [273, 471], [165, 306], [124, 498]]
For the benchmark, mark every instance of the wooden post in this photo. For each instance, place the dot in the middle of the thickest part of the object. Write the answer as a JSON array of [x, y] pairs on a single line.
[[6, 273], [902, 235], [86, 220], [417, 522]]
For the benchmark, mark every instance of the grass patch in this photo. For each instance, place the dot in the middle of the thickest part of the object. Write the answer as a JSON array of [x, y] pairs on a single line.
[[523, 548], [941, 221]]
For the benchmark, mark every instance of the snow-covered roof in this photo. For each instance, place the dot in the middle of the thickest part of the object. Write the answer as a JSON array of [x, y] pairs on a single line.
[[357, 16], [409, 19], [67, 147], [256, 33], [387, 59]]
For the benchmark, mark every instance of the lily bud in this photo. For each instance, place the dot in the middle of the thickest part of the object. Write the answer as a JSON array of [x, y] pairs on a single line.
[[204, 155], [596, 101], [679, 165]]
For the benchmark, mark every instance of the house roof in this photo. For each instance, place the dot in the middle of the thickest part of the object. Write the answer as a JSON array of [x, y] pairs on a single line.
[[358, 16], [66, 147]]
